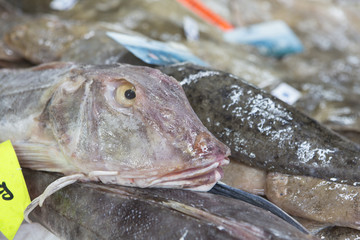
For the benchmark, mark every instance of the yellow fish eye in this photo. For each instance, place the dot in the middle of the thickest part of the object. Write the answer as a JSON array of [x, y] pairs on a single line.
[[126, 94]]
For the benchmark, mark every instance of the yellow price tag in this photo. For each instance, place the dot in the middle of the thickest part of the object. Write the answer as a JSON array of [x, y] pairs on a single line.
[[14, 196]]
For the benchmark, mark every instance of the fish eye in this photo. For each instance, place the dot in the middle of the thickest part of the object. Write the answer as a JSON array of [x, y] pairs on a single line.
[[126, 94], [130, 94]]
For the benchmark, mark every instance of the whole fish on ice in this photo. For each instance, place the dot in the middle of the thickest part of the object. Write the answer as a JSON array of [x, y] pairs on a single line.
[[119, 124]]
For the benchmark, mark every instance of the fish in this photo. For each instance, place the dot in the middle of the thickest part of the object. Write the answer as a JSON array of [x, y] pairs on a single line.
[[79, 34], [223, 189], [118, 124], [275, 139], [147, 18], [242, 176], [37, 45], [324, 231], [97, 211], [334, 233], [316, 199], [46, 39], [307, 68], [351, 134], [10, 16], [263, 131], [326, 74]]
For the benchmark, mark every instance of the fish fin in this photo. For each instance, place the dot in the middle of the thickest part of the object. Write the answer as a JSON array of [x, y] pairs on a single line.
[[221, 188], [52, 188], [40, 156]]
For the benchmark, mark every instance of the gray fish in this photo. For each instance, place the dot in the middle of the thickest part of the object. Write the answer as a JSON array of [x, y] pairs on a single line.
[[96, 211], [46, 38], [264, 132], [118, 124], [10, 16]]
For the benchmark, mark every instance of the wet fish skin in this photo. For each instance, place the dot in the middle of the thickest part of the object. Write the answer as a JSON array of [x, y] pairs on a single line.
[[308, 197], [263, 131], [351, 134], [11, 17], [249, 179], [37, 45], [338, 233], [67, 118], [96, 211], [46, 38], [320, 200]]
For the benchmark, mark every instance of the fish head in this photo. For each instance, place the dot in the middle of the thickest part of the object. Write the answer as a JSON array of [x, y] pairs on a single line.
[[137, 122]]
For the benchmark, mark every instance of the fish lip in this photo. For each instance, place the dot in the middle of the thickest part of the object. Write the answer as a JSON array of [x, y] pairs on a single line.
[[196, 183], [185, 177], [199, 178]]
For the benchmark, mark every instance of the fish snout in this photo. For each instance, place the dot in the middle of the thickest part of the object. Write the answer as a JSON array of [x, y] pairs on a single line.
[[202, 144], [208, 146]]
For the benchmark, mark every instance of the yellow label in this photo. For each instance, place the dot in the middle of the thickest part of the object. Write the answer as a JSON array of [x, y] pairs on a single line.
[[14, 196]]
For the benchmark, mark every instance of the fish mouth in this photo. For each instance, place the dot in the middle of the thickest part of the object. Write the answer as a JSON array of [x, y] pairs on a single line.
[[201, 178]]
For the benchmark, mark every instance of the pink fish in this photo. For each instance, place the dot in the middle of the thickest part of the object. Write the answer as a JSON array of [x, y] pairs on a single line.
[[118, 124]]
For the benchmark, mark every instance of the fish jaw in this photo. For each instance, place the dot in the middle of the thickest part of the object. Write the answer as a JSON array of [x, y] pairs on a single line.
[[201, 179], [198, 169], [197, 179]]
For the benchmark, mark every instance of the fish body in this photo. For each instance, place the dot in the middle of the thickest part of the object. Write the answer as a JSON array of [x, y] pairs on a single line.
[[45, 39], [303, 167], [316, 199], [264, 132], [338, 233], [131, 123], [97, 211]]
